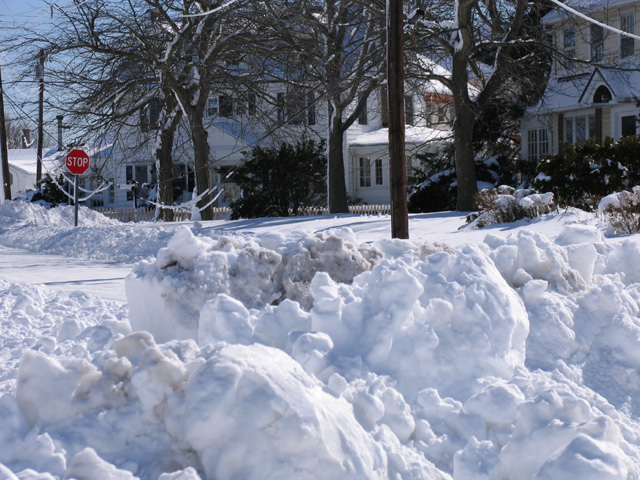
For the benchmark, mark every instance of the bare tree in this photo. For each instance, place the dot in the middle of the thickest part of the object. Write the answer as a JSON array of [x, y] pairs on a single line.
[[142, 65], [489, 46], [330, 50]]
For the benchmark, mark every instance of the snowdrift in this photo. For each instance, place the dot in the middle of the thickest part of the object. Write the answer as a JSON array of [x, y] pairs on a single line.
[[311, 356]]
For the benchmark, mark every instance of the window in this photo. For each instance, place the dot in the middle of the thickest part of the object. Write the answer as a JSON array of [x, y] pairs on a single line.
[[569, 47], [280, 107], [150, 116], [112, 191], [379, 177], [627, 44], [568, 130], [220, 105], [437, 113], [136, 173], [442, 114], [408, 110], [226, 106], [628, 125], [580, 128], [291, 108], [212, 106], [597, 43], [363, 116], [311, 109], [537, 143], [365, 172]]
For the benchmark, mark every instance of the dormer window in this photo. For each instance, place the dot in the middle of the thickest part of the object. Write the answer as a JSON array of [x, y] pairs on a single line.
[[602, 95]]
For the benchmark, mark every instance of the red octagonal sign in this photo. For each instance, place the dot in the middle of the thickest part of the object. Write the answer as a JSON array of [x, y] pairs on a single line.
[[77, 161]]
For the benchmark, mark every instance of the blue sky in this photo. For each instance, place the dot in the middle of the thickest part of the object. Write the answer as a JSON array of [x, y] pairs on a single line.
[[20, 98]]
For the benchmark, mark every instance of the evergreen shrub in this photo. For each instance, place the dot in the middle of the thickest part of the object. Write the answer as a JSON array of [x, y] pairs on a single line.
[[582, 174], [281, 181]]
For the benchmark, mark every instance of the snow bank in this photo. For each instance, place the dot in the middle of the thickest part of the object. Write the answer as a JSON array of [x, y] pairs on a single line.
[[166, 294], [308, 356], [32, 227], [431, 345]]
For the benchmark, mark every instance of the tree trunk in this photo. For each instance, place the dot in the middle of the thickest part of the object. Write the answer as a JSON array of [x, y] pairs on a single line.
[[464, 109], [337, 188], [465, 162], [164, 169], [201, 158]]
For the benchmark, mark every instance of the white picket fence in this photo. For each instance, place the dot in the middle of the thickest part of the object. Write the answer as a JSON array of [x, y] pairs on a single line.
[[130, 214]]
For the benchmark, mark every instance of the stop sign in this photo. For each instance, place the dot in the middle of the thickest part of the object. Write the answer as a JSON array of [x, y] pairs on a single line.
[[77, 161]]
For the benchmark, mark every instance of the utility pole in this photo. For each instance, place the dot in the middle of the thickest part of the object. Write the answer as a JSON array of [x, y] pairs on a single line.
[[395, 85], [40, 75], [6, 175]]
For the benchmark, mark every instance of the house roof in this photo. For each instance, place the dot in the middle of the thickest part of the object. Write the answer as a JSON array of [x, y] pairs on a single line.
[[413, 136], [570, 93], [26, 160], [586, 7]]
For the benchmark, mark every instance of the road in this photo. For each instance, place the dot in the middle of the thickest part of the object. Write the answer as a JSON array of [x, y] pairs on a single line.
[[102, 279]]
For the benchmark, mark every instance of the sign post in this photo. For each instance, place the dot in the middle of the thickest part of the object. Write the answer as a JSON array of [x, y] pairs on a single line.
[[77, 163]]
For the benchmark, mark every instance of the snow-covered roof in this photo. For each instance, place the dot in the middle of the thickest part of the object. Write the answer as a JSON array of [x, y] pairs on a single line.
[[434, 86], [413, 136], [573, 92], [585, 6], [26, 160]]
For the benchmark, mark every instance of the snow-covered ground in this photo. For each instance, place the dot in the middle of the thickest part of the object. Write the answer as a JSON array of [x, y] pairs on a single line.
[[317, 347]]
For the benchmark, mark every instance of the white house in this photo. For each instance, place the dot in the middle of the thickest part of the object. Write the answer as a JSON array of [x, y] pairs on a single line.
[[23, 166], [594, 87], [235, 127]]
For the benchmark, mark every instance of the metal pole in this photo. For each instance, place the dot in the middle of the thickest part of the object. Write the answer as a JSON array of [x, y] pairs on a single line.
[[6, 175], [75, 200], [397, 159]]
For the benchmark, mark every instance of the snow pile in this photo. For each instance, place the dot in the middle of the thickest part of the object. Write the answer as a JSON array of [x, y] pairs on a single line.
[[583, 302], [35, 228], [166, 294], [28, 214], [307, 356]]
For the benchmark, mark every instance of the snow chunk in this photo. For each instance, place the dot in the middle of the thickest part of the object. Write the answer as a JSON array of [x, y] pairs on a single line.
[[252, 412]]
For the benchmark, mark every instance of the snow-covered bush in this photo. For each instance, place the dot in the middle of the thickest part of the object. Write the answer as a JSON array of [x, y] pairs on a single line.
[[622, 211], [506, 204], [432, 185], [582, 174]]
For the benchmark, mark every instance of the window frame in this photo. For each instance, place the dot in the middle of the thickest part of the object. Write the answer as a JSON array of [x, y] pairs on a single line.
[[364, 172], [538, 143], [379, 172], [627, 44], [569, 47], [597, 49]]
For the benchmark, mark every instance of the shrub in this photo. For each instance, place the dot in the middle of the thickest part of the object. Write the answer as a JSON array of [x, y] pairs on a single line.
[[432, 186], [506, 204], [48, 194], [582, 174], [622, 211], [281, 181]]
